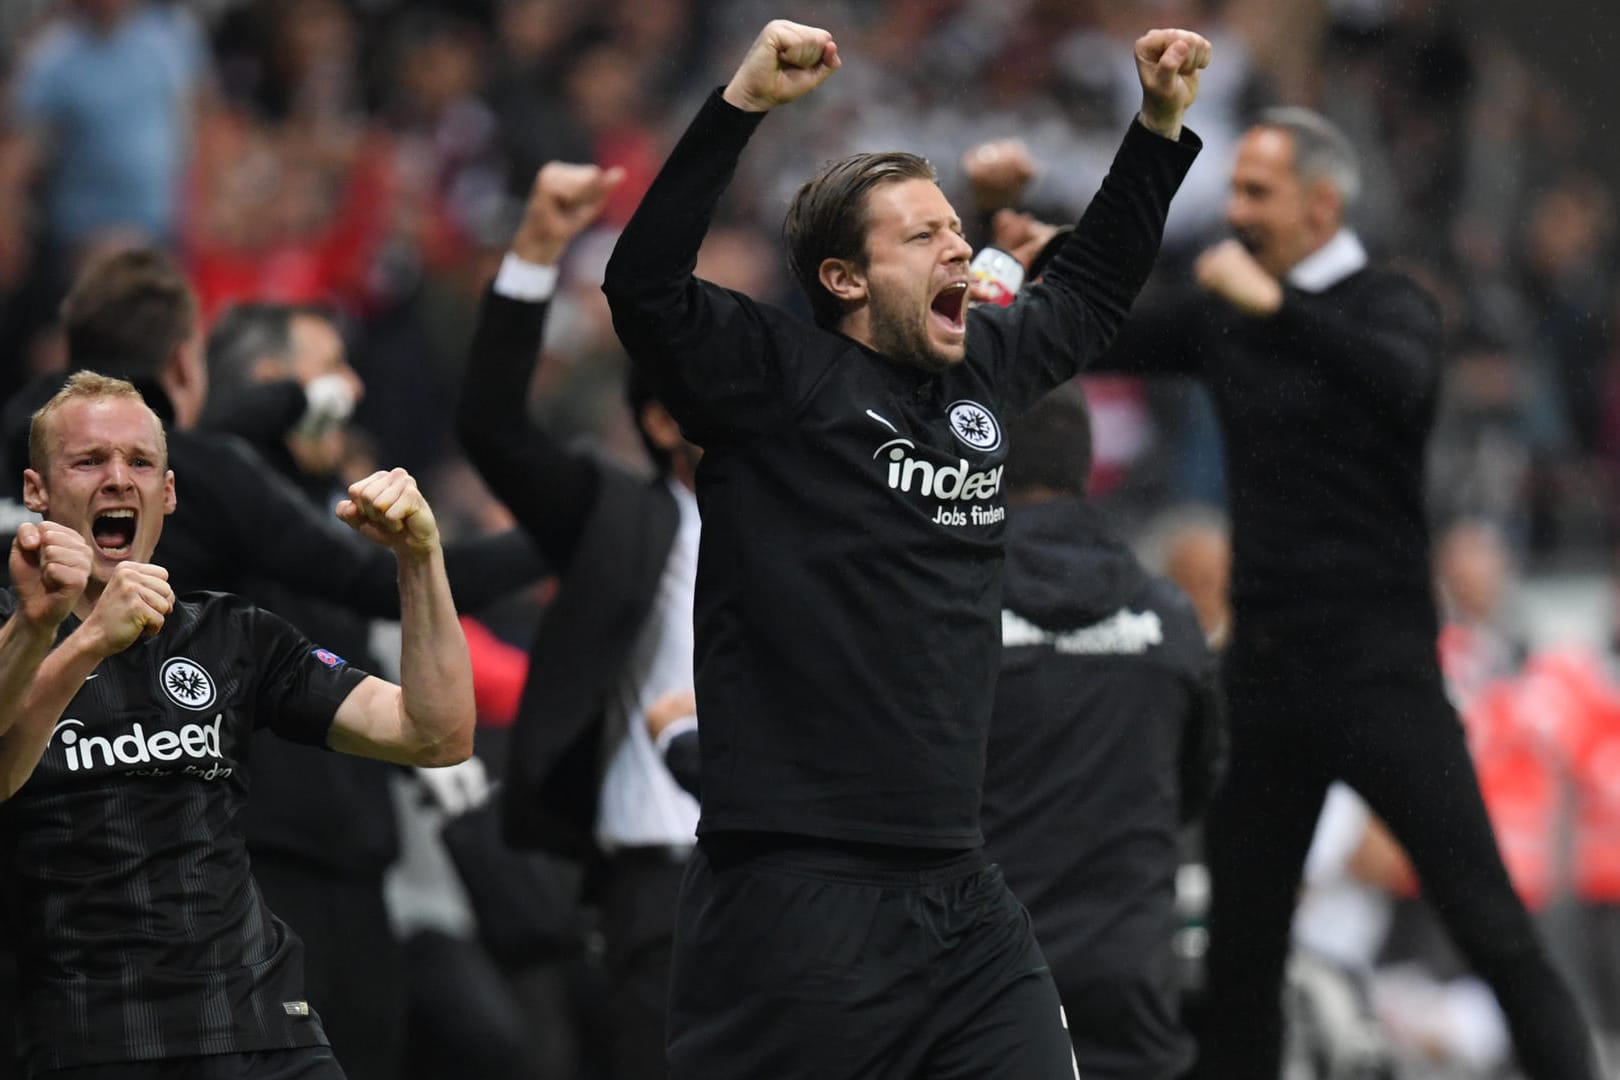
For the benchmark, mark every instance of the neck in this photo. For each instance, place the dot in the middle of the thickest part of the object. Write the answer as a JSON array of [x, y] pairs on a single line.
[[87, 599]]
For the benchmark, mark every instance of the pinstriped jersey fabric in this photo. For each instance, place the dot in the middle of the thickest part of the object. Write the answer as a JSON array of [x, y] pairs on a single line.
[[139, 929]]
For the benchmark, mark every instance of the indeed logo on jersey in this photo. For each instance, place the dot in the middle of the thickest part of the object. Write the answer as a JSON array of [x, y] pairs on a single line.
[[958, 482], [197, 743], [974, 426]]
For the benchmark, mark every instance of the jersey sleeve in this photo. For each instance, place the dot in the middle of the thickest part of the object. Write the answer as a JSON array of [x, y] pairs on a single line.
[[724, 365], [1067, 322], [300, 684]]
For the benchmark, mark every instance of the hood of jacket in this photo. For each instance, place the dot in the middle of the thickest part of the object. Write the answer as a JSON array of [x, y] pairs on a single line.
[[1065, 568]]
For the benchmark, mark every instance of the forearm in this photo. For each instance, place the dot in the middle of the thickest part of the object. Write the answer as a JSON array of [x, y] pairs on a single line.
[[437, 709], [549, 490], [60, 675], [24, 644], [1107, 260], [648, 281], [1164, 335]]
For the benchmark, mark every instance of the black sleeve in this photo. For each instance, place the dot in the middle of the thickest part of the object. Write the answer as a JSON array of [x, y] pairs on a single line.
[[720, 362], [682, 760], [300, 685], [262, 414], [1387, 353], [1165, 335], [549, 490], [1067, 321], [274, 530], [1204, 746]]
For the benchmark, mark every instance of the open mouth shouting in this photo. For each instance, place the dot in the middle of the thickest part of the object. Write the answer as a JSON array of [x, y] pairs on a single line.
[[114, 532], [948, 311]]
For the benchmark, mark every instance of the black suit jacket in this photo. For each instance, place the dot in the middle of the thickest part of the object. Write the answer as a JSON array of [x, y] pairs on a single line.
[[608, 533]]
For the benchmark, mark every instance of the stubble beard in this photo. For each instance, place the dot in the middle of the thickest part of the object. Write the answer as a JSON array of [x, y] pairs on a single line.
[[903, 340]]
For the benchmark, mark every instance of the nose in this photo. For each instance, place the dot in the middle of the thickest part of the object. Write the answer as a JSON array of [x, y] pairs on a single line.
[[116, 477], [1237, 210], [958, 250]]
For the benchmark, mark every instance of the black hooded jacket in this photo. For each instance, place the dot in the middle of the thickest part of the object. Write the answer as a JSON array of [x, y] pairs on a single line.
[[1107, 732], [1107, 736]]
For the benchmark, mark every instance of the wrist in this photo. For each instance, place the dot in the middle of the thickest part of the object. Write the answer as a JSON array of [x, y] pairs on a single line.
[[1163, 123], [34, 629], [418, 554], [521, 278], [88, 644], [539, 252], [738, 98]]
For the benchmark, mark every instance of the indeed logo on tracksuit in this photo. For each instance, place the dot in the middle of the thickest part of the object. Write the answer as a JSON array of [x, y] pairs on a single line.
[[197, 742]]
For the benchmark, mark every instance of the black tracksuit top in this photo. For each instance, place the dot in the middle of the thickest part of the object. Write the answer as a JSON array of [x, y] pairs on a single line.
[[848, 603], [1326, 409]]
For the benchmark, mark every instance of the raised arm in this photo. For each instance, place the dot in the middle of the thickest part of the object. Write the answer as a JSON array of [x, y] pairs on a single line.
[[278, 534], [428, 719], [1068, 321], [50, 566], [704, 344], [1387, 356], [548, 489], [134, 603]]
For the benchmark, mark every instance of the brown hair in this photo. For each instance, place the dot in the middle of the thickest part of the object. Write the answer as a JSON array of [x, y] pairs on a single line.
[[128, 312], [83, 386], [828, 218]]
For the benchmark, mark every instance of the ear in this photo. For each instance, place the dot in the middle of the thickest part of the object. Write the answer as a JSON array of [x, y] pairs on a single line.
[[1325, 207], [168, 493], [843, 279], [34, 495]]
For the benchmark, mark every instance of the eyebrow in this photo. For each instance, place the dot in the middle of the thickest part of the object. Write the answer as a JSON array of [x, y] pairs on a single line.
[[131, 450]]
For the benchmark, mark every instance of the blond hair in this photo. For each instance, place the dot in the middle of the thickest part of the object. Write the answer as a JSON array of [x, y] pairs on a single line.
[[84, 386]]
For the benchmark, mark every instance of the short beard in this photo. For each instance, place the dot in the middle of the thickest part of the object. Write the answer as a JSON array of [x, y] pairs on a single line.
[[891, 338]]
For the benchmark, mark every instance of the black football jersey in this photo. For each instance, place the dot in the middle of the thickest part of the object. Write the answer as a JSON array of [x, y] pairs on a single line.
[[140, 932]]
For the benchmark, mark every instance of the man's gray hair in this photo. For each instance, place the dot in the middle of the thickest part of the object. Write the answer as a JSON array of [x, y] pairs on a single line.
[[1321, 150], [244, 335]]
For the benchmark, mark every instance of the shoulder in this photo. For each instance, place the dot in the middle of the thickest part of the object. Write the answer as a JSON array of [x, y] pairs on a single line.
[[1385, 285]]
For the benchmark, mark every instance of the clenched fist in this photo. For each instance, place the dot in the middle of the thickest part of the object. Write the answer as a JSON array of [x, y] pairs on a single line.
[[1168, 63], [786, 62], [564, 201], [1229, 272], [387, 509], [50, 567], [134, 603]]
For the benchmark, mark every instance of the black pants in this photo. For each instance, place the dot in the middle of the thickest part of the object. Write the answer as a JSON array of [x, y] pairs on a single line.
[[309, 1063], [824, 965], [1367, 708], [639, 901], [354, 967]]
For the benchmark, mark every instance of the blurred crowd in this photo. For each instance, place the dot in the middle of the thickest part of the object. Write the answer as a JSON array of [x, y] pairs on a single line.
[[370, 157]]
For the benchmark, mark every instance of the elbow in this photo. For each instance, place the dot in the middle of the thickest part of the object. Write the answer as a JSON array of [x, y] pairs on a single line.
[[450, 749]]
